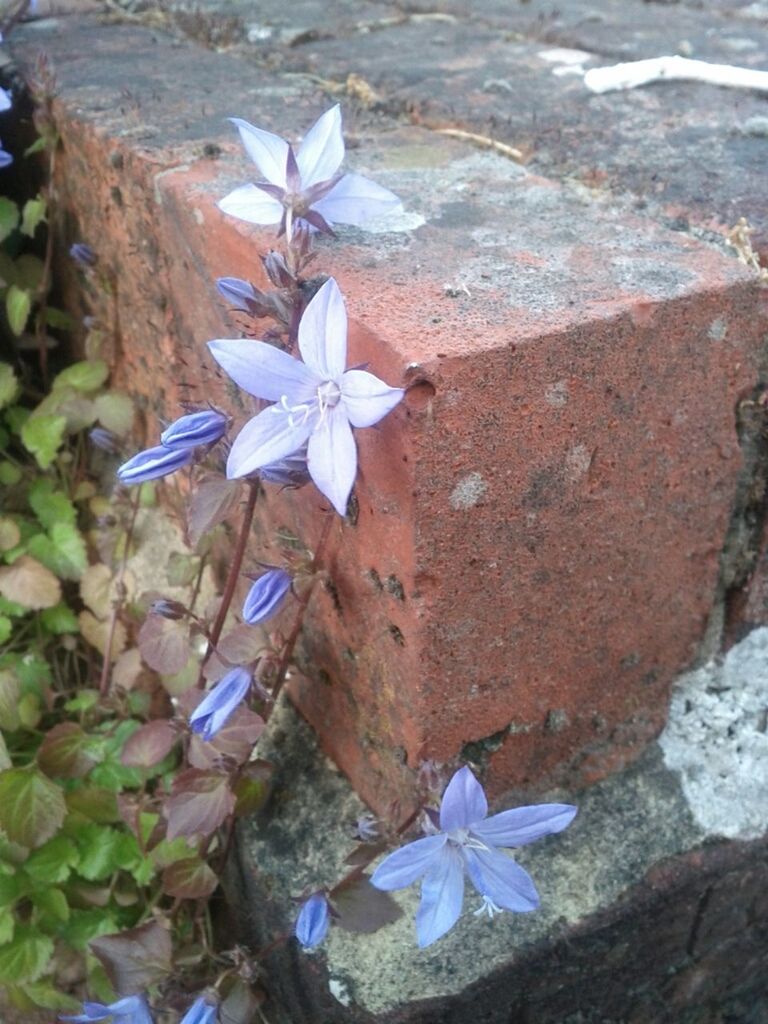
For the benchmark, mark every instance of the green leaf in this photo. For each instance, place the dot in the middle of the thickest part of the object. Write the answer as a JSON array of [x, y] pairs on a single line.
[[18, 304], [26, 957], [29, 270], [46, 995], [75, 406], [115, 411], [59, 619], [85, 925], [43, 436], [50, 506], [59, 319], [63, 552], [6, 628], [53, 861], [95, 802], [12, 888], [9, 385], [9, 217], [84, 701], [52, 903], [32, 808], [9, 474], [16, 416], [33, 215], [88, 375], [37, 146], [100, 851], [7, 922], [5, 758]]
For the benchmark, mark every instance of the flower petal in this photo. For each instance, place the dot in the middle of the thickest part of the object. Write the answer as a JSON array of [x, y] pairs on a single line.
[[313, 920], [332, 458], [267, 438], [442, 894], [322, 150], [354, 200], [366, 398], [219, 703], [463, 803], [523, 825], [268, 151], [201, 1012], [408, 864], [266, 595], [252, 204], [497, 876], [323, 332], [265, 371]]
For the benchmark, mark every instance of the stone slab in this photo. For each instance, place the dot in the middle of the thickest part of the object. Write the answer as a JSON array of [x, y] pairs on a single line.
[[653, 902], [566, 458]]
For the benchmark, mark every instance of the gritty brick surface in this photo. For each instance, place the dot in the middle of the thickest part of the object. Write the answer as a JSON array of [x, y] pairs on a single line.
[[534, 550]]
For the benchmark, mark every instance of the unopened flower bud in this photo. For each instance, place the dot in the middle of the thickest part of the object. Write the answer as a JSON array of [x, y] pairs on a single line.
[[168, 609], [266, 595], [313, 921], [83, 255], [104, 439], [206, 427], [236, 291], [153, 463]]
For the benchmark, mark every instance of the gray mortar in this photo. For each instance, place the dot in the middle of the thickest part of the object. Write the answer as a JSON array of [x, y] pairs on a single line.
[[712, 782]]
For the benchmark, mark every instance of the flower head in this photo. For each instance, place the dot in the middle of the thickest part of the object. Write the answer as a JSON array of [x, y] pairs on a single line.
[[213, 711], [130, 1010], [313, 921], [266, 595], [201, 1012], [469, 841], [317, 401], [153, 463], [305, 185], [205, 427]]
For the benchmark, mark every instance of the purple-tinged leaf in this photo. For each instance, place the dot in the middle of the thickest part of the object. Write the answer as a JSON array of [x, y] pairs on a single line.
[[241, 645], [149, 744], [240, 1005], [212, 501], [137, 958], [189, 879], [361, 907], [64, 752], [164, 644], [365, 853], [253, 787], [200, 801]]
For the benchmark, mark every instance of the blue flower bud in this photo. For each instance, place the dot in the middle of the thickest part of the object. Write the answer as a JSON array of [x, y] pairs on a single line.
[[200, 1012], [153, 463], [214, 709], [206, 427], [5, 100], [266, 595], [237, 292], [82, 254], [5, 158], [291, 471], [313, 921], [104, 439]]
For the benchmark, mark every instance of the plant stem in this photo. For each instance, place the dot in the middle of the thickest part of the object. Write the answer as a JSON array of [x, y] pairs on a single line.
[[234, 572], [104, 681], [293, 636]]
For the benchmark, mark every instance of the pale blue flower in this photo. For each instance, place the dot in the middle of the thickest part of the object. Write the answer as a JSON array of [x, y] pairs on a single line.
[[153, 463], [306, 185], [130, 1010], [5, 158], [5, 101], [214, 710], [469, 842], [201, 1012], [317, 401], [291, 471], [266, 595], [204, 427], [313, 921], [236, 291]]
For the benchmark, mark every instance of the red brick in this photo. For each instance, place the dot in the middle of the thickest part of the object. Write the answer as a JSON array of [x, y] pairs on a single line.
[[536, 550]]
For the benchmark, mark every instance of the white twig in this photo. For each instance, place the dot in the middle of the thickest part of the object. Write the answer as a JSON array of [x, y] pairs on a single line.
[[662, 69]]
